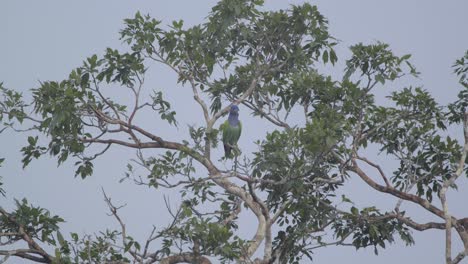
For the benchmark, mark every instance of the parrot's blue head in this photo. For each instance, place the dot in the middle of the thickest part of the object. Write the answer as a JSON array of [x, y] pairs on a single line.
[[233, 117], [234, 109]]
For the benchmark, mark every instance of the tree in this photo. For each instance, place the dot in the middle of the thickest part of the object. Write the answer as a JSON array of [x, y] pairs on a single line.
[[267, 62]]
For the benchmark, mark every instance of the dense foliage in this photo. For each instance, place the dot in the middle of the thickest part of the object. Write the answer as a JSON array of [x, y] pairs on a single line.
[[266, 61]]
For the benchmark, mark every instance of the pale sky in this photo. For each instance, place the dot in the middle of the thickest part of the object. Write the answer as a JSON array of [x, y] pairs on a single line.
[[45, 40]]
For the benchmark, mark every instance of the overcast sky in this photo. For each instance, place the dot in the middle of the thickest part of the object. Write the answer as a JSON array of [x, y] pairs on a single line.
[[45, 40]]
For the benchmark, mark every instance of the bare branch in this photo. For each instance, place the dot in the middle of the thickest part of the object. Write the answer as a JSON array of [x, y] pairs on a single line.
[[460, 256], [114, 210], [9, 234], [103, 98], [150, 239], [136, 93], [196, 96], [378, 168]]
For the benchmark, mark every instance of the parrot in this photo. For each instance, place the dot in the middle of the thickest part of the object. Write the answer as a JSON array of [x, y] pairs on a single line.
[[231, 129]]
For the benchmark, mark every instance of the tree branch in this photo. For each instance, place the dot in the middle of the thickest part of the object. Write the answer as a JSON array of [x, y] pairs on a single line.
[[390, 190], [34, 247], [24, 253], [185, 258], [114, 210], [214, 173], [442, 194], [378, 168], [411, 223]]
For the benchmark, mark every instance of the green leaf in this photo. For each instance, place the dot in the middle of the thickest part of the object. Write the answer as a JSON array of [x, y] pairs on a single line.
[[61, 240], [325, 56], [380, 78], [32, 140], [405, 57], [333, 57], [345, 199], [84, 79]]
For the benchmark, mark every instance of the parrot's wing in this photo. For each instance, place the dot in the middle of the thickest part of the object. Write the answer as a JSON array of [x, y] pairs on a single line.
[[224, 128], [238, 132]]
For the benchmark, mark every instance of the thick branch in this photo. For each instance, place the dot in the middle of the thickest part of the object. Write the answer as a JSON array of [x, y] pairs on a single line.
[[443, 198], [411, 223], [448, 226], [26, 254], [264, 227], [390, 190], [460, 256], [185, 258]]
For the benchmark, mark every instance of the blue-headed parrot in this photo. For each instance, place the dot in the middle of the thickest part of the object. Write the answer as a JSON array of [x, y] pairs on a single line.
[[231, 129]]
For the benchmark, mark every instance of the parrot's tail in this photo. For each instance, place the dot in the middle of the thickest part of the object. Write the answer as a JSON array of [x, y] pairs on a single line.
[[227, 151]]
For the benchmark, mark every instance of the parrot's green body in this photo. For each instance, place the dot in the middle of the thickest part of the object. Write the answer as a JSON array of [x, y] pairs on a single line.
[[232, 129]]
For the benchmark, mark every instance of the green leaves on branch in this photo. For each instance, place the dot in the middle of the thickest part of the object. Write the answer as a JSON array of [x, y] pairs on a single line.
[[141, 32], [369, 227], [126, 69], [413, 132], [298, 167], [167, 165], [100, 248], [378, 62], [294, 159], [302, 224], [61, 107], [37, 222], [84, 169], [69, 108], [32, 151], [461, 69], [239, 38], [291, 162], [213, 238], [28, 222], [458, 108], [12, 106], [163, 107], [415, 116]]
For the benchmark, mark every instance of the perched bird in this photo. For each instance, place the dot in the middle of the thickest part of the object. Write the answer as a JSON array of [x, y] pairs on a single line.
[[231, 129]]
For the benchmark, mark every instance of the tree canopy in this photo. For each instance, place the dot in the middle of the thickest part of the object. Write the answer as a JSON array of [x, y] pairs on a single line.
[[268, 63]]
